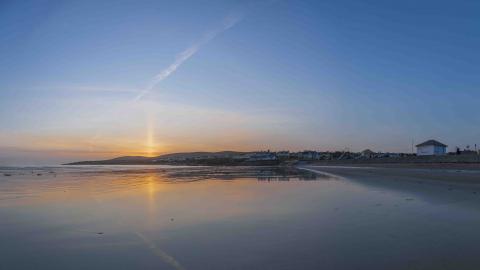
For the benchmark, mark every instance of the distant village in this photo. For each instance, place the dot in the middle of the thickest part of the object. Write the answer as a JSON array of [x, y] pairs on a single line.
[[430, 148], [428, 151]]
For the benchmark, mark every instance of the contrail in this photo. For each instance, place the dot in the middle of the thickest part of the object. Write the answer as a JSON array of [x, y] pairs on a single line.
[[228, 23]]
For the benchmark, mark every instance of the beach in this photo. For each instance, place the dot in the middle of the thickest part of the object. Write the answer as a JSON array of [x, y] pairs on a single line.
[[452, 173], [313, 217]]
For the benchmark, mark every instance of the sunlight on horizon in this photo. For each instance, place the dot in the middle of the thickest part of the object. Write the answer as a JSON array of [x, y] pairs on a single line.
[[151, 145]]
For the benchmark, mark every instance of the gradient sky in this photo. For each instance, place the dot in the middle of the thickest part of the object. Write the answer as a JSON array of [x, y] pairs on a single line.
[[97, 79]]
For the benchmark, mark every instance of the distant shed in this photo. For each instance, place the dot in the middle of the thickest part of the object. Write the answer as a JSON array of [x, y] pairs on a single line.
[[431, 148]]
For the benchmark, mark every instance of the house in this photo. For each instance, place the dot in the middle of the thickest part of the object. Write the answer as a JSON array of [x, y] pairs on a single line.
[[430, 148], [394, 155], [308, 155], [367, 153], [283, 154], [263, 156], [242, 157]]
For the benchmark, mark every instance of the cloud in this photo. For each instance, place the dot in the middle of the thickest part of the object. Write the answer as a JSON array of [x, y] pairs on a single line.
[[228, 23]]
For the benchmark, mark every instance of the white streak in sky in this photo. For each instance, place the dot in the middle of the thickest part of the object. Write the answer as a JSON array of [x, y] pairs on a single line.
[[228, 23]]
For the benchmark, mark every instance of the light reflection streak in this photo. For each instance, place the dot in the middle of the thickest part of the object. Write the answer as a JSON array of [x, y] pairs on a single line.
[[151, 189], [158, 252], [148, 243]]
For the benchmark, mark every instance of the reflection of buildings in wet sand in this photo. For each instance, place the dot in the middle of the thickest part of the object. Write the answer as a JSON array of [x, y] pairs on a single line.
[[273, 178], [231, 173], [306, 177]]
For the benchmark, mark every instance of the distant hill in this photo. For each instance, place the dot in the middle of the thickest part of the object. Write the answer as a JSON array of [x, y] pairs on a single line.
[[130, 158], [162, 159], [201, 154]]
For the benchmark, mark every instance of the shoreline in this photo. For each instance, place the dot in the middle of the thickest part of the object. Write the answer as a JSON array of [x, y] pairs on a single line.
[[449, 176], [404, 165]]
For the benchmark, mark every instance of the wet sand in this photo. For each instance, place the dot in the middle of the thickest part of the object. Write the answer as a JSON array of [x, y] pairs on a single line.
[[454, 174], [442, 186], [400, 164], [238, 218]]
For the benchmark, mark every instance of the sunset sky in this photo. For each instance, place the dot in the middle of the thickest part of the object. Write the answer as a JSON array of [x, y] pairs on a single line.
[[98, 79]]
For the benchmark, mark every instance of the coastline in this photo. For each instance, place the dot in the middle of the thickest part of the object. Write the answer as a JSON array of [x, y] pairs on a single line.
[[405, 165]]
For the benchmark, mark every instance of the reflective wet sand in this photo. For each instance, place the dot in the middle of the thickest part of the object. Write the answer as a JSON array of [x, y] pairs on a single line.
[[233, 218]]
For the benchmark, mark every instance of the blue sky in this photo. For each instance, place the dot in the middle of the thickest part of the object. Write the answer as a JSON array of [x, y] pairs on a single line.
[[83, 79]]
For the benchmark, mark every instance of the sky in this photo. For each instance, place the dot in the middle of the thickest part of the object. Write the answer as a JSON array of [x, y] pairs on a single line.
[[83, 80]]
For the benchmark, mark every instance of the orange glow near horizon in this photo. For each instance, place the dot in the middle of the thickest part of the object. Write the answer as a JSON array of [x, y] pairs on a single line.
[[77, 146]]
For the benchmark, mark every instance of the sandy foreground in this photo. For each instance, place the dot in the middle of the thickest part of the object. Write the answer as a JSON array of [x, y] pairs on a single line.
[[239, 218]]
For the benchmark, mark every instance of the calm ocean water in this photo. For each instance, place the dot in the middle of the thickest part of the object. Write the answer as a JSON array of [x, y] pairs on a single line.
[[131, 217]]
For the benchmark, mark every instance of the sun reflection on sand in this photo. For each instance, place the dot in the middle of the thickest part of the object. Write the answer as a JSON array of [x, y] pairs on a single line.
[[151, 190]]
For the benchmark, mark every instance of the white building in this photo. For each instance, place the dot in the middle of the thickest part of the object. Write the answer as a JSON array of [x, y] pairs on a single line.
[[430, 148]]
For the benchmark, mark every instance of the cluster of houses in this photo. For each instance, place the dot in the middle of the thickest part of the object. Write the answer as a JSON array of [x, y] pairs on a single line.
[[430, 147], [307, 155], [286, 155], [427, 148]]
